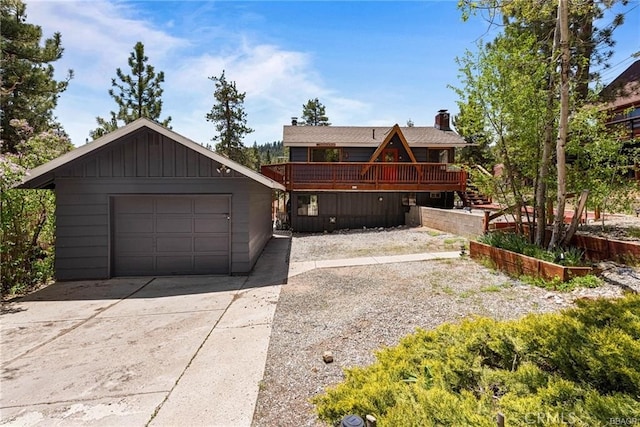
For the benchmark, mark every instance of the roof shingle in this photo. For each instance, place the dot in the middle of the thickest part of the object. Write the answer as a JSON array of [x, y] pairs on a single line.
[[368, 135]]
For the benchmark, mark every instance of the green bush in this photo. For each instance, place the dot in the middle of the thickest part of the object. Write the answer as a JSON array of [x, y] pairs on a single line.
[[578, 367], [518, 243], [27, 226], [556, 284]]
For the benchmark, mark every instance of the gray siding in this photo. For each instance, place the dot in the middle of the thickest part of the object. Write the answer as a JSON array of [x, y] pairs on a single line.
[[144, 163], [351, 210], [260, 225]]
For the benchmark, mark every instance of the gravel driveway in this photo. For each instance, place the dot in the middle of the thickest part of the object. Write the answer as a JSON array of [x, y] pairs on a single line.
[[352, 311]]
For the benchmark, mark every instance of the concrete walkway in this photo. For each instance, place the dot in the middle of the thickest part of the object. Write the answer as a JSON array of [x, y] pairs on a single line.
[[160, 351], [300, 267]]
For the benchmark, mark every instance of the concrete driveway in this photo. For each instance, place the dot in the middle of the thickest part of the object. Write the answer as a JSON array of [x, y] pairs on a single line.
[[141, 351]]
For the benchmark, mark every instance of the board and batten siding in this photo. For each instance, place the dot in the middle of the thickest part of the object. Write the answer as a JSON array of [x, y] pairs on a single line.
[[350, 210], [144, 162]]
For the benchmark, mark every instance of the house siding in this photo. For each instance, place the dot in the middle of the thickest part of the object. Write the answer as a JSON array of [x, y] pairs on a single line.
[[146, 162], [357, 210], [260, 225], [350, 210]]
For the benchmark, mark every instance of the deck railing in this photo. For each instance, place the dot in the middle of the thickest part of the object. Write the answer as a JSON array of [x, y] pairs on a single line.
[[368, 176]]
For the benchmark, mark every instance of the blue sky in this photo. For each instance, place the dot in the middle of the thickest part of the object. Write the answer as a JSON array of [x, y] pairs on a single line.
[[369, 62]]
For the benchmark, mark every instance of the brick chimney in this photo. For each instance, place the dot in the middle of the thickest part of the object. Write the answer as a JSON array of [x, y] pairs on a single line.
[[442, 120]]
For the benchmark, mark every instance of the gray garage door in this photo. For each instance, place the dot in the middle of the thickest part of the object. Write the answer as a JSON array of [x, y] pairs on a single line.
[[164, 235]]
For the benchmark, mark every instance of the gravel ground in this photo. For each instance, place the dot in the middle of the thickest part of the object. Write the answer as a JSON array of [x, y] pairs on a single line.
[[352, 311], [619, 227]]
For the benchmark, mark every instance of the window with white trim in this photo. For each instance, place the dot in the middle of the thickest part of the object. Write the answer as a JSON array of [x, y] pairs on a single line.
[[308, 205]]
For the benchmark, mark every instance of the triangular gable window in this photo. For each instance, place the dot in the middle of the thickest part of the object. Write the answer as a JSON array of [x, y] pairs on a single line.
[[387, 152]]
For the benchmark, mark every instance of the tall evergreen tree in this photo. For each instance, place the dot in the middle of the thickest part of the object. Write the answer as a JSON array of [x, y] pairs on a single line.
[[230, 119], [137, 95], [314, 114], [28, 89]]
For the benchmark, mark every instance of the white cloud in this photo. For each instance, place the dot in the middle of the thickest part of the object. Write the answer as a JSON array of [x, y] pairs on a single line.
[[98, 36], [277, 83]]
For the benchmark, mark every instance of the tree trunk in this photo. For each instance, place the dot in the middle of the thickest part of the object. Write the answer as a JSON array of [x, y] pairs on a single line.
[[576, 218], [558, 223], [545, 162]]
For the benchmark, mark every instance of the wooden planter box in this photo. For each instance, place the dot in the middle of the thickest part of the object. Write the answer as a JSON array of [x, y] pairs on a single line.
[[595, 248], [518, 264], [600, 248]]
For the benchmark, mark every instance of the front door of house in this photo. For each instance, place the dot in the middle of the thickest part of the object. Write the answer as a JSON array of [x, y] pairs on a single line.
[[389, 173]]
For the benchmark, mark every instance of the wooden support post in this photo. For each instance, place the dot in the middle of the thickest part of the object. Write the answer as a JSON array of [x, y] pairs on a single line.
[[371, 421], [485, 223], [500, 420]]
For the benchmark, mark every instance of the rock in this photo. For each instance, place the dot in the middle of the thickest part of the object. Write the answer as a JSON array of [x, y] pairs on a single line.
[[622, 276], [327, 357]]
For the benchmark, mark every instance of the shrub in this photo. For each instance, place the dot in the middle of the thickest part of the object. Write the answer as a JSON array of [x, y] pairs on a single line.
[[518, 243], [577, 367], [556, 284], [27, 216]]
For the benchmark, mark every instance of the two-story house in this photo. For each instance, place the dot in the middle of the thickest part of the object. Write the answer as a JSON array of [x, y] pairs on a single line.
[[622, 98], [341, 177]]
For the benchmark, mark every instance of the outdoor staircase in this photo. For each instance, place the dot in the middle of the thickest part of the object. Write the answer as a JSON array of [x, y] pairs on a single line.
[[472, 196]]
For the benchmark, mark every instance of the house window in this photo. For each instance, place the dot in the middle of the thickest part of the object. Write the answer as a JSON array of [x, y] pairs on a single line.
[[324, 154], [308, 205], [443, 156]]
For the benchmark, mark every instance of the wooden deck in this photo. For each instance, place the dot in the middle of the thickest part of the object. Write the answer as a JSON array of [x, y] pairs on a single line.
[[356, 176]]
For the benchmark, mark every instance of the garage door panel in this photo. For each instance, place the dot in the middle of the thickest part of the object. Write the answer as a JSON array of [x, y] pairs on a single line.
[[130, 223], [174, 224], [137, 205], [210, 224], [177, 205], [174, 264], [219, 243], [167, 234], [174, 244], [211, 206], [133, 265], [134, 245], [211, 263]]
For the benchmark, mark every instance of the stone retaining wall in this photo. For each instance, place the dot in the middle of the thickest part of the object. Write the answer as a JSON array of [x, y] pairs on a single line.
[[455, 221]]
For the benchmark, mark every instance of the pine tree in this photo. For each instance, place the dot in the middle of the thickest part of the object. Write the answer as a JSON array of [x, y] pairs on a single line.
[[230, 119], [28, 89], [313, 114], [137, 95]]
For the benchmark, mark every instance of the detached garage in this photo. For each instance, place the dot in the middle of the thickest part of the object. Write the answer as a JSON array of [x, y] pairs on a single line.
[[143, 200]]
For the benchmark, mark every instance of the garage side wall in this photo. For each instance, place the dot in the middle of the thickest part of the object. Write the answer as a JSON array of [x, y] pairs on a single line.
[[144, 162], [260, 220]]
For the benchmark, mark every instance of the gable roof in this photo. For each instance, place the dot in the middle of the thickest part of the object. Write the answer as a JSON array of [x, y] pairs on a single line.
[[395, 130], [368, 136], [624, 90], [43, 175]]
